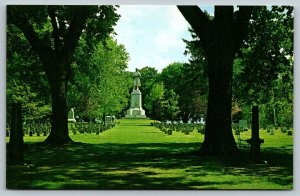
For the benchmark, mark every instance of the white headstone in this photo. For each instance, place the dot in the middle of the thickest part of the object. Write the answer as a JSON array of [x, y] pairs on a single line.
[[71, 115]]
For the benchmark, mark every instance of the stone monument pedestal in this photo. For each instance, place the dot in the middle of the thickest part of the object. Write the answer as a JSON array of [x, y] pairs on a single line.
[[136, 110]]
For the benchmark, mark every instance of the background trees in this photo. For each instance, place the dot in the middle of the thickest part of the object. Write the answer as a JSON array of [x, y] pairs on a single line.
[[22, 66], [100, 83], [149, 78], [263, 71]]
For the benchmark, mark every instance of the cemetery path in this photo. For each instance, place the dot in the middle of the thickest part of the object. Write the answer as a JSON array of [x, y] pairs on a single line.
[[137, 131]]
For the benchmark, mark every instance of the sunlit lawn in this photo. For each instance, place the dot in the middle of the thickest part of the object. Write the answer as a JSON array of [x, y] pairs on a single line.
[[135, 155]]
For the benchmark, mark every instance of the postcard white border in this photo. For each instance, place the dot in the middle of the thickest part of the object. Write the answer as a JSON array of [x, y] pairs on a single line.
[[294, 3]]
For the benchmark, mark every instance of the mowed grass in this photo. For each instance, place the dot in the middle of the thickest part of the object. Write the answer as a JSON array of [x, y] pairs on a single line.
[[137, 156]]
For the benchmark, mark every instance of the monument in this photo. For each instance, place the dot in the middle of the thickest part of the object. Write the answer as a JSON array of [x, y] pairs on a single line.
[[136, 110]]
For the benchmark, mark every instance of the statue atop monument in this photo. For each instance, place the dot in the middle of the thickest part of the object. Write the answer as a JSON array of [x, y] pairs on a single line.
[[136, 110], [136, 80]]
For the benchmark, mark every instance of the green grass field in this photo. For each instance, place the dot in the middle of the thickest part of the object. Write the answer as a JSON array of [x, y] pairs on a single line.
[[135, 155]]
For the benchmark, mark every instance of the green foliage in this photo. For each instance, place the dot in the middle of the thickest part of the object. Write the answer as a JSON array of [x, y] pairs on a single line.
[[100, 84], [26, 79], [161, 103], [172, 76], [194, 90], [23, 64], [199, 104], [149, 76], [172, 109], [189, 82], [157, 92], [32, 107], [155, 102], [263, 71], [52, 23]]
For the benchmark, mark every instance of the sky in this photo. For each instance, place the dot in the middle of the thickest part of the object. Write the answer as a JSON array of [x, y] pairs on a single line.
[[152, 35]]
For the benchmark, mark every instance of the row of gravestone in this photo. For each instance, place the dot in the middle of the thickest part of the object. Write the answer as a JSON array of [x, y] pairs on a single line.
[[243, 126], [43, 129], [185, 128], [90, 128], [271, 130], [30, 129]]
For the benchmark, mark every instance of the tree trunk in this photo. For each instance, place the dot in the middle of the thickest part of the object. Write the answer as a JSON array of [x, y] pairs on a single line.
[[274, 116], [221, 38], [219, 139], [103, 118], [15, 146], [59, 119]]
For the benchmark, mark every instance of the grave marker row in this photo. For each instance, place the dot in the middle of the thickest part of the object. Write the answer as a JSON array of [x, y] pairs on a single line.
[[44, 129], [184, 128], [89, 128], [31, 129]]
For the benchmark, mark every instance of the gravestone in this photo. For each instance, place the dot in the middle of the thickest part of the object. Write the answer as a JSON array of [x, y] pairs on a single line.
[[235, 126], [283, 129], [243, 126], [30, 133], [136, 110], [71, 116], [108, 120], [38, 133]]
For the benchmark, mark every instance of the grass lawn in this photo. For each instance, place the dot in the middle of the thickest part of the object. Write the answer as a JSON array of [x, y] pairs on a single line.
[[135, 155]]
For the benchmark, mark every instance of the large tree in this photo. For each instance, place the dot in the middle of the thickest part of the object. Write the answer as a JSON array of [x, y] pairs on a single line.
[[53, 33], [221, 38]]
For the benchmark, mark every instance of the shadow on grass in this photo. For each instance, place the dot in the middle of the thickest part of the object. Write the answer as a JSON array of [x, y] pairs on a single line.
[[141, 166]]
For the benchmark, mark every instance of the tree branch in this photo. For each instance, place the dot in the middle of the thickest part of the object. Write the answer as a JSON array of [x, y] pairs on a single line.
[[197, 19], [71, 38], [20, 20], [241, 24], [224, 16], [53, 20]]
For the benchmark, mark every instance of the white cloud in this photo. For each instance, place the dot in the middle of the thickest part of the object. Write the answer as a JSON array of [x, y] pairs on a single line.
[[166, 40], [176, 27], [178, 23], [161, 62], [152, 35]]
